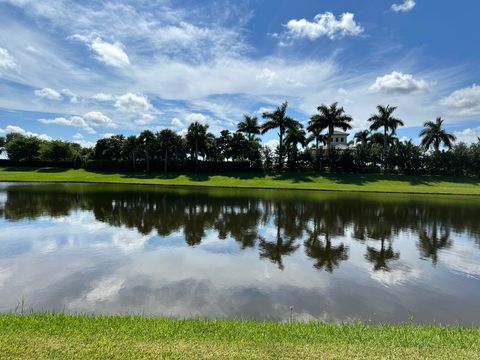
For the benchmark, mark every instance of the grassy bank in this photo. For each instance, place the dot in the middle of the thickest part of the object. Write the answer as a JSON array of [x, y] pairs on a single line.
[[336, 182], [63, 336]]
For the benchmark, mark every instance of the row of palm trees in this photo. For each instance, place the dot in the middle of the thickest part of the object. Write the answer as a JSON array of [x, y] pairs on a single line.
[[322, 125]]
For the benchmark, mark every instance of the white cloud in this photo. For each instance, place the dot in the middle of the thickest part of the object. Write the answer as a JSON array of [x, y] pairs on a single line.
[[48, 93], [177, 122], [86, 122], [398, 82], [197, 117], [407, 5], [267, 76], [102, 97], [133, 103], [112, 54], [7, 62], [325, 24], [272, 144], [70, 94], [96, 118], [145, 119], [465, 101], [468, 136], [79, 139], [12, 129]]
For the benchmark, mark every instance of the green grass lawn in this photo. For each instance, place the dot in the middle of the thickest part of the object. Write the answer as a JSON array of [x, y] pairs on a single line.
[[337, 182], [62, 336]]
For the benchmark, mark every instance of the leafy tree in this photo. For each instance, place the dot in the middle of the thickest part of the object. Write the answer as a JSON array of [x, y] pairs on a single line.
[[224, 143], [109, 148], [2, 144], [55, 151], [196, 138], [168, 143], [384, 119], [212, 150], [249, 126], [330, 118], [23, 148], [238, 146], [146, 142], [434, 135], [278, 119], [315, 128]]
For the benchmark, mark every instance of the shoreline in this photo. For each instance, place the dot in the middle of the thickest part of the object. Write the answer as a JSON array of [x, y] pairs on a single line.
[[354, 183]]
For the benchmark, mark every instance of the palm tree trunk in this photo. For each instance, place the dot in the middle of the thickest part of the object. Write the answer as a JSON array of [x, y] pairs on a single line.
[[165, 163], [280, 155], [196, 154], [317, 154], [148, 160]]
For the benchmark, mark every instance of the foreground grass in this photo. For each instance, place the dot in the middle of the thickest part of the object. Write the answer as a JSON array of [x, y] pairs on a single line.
[[43, 336], [336, 182]]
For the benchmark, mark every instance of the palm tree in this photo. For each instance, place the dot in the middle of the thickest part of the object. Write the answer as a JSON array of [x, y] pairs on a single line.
[[315, 128], [278, 119], [433, 134], [385, 119], [146, 140], [249, 126], [167, 141], [362, 136], [196, 136], [331, 117], [295, 136], [430, 244], [130, 149]]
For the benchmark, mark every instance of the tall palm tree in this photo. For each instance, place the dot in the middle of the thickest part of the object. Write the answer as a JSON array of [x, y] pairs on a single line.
[[362, 136], [315, 129], [434, 134], [331, 117], [167, 141], [146, 141], [249, 126], [196, 136], [278, 119], [384, 119], [295, 136]]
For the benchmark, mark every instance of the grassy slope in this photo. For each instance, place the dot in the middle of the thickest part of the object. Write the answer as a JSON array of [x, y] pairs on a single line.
[[63, 336], [339, 182]]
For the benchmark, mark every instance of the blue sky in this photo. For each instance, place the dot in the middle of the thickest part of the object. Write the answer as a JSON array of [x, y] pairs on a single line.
[[82, 70]]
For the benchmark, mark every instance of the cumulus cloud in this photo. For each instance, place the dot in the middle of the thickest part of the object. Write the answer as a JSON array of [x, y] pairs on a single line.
[[13, 129], [7, 62], [464, 101], [468, 136], [197, 117], [112, 54], [176, 122], [96, 118], [267, 76], [325, 24], [407, 5], [145, 119], [71, 95], [79, 139], [48, 93], [85, 122], [398, 82], [133, 103]]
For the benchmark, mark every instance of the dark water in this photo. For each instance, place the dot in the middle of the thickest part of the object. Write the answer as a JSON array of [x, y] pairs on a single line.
[[249, 253]]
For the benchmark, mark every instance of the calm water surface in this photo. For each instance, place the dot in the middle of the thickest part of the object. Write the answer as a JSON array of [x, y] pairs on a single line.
[[240, 253]]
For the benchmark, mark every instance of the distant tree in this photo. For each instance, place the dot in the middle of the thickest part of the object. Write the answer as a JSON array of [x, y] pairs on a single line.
[[238, 146], [130, 150], [362, 137], [294, 137], [434, 135], [146, 141], [224, 143], [168, 143], [384, 119], [249, 126], [23, 148], [315, 128], [109, 148], [55, 151], [212, 150], [278, 119], [196, 137], [330, 118]]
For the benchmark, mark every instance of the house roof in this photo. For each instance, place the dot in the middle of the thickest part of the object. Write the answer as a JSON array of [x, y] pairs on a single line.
[[340, 133]]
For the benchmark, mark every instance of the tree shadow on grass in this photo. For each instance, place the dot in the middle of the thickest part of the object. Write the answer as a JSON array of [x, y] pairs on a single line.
[[52, 170]]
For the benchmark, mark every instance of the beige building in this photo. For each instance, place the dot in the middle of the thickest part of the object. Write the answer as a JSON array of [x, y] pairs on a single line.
[[339, 140]]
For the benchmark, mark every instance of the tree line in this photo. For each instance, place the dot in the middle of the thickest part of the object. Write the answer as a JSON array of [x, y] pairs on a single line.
[[300, 148]]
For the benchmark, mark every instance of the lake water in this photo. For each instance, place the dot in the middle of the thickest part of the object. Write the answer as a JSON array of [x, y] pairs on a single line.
[[239, 253]]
